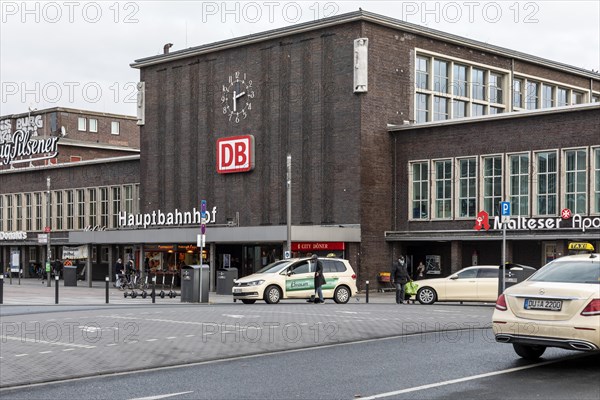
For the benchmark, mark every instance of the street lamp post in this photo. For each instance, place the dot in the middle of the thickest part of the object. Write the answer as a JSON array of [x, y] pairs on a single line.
[[289, 203], [48, 270]]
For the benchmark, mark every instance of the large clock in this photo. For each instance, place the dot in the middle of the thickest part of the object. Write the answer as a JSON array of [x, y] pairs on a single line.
[[237, 97]]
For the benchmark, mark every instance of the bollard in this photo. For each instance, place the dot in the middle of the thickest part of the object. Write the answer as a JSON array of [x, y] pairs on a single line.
[[20, 273], [56, 290], [367, 292], [1, 288], [153, 294], [107, 279]]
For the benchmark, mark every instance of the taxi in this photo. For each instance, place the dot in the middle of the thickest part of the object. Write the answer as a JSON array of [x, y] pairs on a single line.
[[294, 279], [557, 306]]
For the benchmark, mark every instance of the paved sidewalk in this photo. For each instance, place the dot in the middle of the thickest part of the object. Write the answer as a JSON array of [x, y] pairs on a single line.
[[31, 291]]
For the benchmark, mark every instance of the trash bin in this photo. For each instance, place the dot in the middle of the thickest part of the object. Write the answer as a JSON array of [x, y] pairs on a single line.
[[194, 283], [225, 278], [514, 273], [70, 276]]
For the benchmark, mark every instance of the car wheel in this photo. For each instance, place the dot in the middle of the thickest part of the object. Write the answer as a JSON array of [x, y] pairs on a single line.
[[341, 295], [248, 301], [426, 295], [272, 295], [529, 352]]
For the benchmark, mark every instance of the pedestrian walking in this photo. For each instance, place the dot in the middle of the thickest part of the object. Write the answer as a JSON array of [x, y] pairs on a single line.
[[400, 277], [319, 278]]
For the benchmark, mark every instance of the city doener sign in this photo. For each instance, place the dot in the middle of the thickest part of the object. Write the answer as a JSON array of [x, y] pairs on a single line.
[[13, 150]]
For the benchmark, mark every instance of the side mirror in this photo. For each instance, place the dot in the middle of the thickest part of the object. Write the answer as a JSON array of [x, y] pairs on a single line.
[[454, 277], [290, 273]]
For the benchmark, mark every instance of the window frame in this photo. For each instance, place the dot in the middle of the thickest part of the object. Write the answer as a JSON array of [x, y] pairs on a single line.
[[536, 183], [471, 196], [564, 180], [114, 131], [82, 124], [435, 181], [93, 128], [495, 207], [516, 199], [424, 184]]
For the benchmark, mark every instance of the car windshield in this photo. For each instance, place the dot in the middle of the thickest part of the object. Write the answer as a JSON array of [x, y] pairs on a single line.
[[274, 267], [575, 271]]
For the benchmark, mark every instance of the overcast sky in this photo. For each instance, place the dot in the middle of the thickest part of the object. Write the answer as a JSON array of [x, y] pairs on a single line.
[[77, 53]]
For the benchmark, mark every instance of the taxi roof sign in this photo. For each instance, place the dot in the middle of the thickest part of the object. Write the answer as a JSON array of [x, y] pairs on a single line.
[[581, 247]]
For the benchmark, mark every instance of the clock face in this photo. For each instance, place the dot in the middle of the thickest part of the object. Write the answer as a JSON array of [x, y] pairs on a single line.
[[237, 97]]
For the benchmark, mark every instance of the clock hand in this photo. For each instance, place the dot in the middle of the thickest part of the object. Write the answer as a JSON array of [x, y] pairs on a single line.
[[234, 101], [239, 95]]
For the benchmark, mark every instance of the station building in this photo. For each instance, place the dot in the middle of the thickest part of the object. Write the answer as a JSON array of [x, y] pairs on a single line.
[[400, 137]]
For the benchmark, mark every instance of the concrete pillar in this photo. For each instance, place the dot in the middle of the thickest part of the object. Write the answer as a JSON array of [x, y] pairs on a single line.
[[455, 256], [111, 262]]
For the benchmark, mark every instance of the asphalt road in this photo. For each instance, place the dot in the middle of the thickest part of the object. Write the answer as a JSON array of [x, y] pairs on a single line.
[[458, 365], [40, 347]]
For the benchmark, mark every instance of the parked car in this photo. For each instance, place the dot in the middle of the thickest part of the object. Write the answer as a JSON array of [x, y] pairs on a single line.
[[294, 279], [477, 283], [558, 306]]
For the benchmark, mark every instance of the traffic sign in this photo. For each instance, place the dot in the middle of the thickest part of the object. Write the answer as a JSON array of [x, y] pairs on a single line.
[[47, 229], [505, 207], [203, 215]]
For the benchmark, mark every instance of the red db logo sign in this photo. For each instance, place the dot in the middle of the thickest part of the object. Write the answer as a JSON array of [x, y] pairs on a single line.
[[235, 154]]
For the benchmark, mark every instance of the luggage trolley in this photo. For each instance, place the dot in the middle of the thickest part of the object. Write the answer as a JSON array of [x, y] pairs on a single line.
[[385, 281]]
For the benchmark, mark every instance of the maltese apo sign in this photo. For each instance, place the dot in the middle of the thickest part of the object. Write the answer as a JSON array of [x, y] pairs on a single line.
[[235, 154], [567, 220]]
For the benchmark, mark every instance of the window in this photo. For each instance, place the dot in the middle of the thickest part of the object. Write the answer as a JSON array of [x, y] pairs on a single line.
[[81, 124], [492, 184], [440, 108], [129, 199], [576, 175], [460, 81], [487, 273], [533, 95], [443, 189], [546, 165], [440, 76], [467, 189], [496, 95], [75, 158], [468, 274], [517, 93], [547, 96], [446, 89], [80, 209], [562, 97], [300, 268], [59, 210], [459, 109], [577, 97], [19, 204], [93, 206], [114, 127], [420, 190], [104, 207], [519, 183], [38, 211], [70, 209], [93, 125], [596, 98], [422, 73], [478, 83], [422, 107], [116, 206], [596, 204], [9, 212], [477, 110], [28, 212]]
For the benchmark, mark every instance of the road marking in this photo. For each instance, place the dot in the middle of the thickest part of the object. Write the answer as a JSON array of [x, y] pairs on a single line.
[[151, 340], [21, 355], [160, 396], [45, 352], [68, 349], [25, 339], [458, 380], [111, 344], [190, 335], [172, 337]]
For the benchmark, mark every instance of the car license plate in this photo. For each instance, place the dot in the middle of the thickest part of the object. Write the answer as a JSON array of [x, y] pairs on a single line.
[[537, 304], [237, 290]]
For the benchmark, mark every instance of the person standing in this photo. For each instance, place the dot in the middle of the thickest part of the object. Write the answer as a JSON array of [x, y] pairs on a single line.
[[420, 270], [319, 278], [118, 272], [400, 278]]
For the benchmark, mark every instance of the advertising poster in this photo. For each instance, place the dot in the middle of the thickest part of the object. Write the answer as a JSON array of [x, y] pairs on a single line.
[[433, 265]]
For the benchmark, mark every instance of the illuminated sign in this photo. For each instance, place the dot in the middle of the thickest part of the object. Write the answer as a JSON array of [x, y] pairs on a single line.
[[19, 235], [577, 221], [14, 149], [158, 218], [235, 154]]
